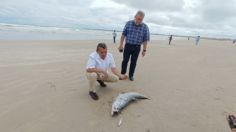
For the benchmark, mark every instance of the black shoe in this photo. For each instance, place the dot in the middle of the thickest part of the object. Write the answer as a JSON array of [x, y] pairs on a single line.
[[102, 84], [131, 78], [93, 95]]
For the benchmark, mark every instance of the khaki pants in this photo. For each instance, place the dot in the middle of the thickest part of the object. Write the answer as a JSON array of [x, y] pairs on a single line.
[[93, 77]]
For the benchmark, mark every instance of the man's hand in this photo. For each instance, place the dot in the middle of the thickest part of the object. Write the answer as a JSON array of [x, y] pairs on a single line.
[[144, 48], [104, 74], [143, 53], [120, 48], [100, 72], [123, 77], [117, 73]]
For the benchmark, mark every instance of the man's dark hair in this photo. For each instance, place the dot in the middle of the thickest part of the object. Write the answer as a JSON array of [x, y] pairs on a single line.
[[101, 45]]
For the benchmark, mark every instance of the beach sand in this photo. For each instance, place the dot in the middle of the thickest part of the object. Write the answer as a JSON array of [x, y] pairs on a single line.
[[43, 88]]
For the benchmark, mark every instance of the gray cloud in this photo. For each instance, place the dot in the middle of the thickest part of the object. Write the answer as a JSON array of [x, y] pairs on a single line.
[[184, 16], [210, 15], [218, 10], [154, 5]]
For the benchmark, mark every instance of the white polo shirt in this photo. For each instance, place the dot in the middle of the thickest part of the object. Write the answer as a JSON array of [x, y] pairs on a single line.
[[96, 62]]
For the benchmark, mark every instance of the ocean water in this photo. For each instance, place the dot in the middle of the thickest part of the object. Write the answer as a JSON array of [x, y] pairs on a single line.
[[27, 32]]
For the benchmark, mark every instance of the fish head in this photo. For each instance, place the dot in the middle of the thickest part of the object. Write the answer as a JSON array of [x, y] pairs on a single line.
[[114, 111]]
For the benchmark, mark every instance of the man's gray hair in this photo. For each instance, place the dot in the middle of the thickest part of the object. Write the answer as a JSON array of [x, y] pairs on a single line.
[[140, 13], [101, 45]]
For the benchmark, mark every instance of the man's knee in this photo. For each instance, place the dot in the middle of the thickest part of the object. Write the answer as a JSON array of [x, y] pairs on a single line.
[[112, 78], [115, 79], [125, 60], [92, 76], [134, 60]]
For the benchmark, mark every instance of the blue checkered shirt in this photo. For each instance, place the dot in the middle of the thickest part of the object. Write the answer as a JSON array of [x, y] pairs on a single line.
[[136, 34]]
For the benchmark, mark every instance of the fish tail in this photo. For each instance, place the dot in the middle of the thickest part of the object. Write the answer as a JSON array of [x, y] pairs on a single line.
[[142, 97]]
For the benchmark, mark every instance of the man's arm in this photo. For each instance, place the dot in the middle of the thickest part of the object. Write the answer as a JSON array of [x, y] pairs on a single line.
[[144, 45], [146, 39], [97, 70], [94, 70], [117, 73], [122, 38], [144, 48]]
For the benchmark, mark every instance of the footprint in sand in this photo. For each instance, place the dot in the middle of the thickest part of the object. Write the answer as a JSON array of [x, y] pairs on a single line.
[[53, 86]]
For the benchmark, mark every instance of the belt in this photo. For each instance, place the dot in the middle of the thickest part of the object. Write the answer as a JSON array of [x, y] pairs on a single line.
[[136, 45]]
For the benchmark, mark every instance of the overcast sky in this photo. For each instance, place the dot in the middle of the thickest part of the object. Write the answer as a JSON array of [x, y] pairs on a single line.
[[196, 17]]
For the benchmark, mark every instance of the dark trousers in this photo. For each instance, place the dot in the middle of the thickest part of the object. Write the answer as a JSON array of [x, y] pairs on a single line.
[[133, 52], [114, 39], [170, 41]]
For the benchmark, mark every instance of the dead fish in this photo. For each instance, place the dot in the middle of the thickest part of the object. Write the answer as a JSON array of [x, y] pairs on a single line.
[[123, 100]]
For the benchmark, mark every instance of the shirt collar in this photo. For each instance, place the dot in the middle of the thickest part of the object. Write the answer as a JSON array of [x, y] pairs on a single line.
[[137, 25], [98, 56]]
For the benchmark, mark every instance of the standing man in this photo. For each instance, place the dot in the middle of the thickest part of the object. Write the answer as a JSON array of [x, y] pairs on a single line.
[[234, 41], [98, 69], [114, 34], [197, 40], [135, 34], [170, 38]]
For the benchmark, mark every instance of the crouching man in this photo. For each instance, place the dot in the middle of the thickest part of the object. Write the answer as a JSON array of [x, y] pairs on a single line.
[[99, 65]]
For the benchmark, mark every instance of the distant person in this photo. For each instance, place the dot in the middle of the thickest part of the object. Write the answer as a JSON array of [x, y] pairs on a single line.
[[135, 34], [188, 38], [197, 40], [170, 38], [98, 66], [114, 34], [234, 41]]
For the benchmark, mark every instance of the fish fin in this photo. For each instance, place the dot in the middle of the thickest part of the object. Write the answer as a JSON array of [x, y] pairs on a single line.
[[142, 98]]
